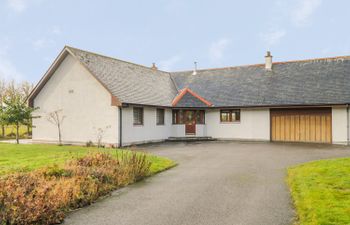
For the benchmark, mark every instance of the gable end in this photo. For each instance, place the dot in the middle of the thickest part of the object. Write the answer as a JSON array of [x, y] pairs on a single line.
[[188, 98], [49, 73]]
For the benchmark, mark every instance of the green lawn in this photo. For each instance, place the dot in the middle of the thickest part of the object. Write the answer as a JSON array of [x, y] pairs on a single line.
[[15, 158], [321, 191]]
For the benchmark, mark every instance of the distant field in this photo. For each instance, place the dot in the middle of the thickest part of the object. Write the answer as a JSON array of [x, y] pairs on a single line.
[[10, 132]]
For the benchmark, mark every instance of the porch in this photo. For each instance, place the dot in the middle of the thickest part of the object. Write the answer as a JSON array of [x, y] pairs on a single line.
[[188, 123]]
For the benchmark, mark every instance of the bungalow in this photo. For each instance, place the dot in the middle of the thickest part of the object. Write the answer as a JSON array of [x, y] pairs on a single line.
[[123, 103]]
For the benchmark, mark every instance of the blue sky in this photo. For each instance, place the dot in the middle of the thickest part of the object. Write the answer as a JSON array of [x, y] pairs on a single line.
[[172, 33]]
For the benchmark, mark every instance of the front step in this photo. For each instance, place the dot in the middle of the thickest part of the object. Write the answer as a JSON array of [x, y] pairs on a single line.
[[191, 138]]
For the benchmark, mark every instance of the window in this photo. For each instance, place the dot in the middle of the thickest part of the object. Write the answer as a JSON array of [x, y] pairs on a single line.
[[200, 117], [181, 116], [230, 115], [160, 116], [177, 116], [138, 116]]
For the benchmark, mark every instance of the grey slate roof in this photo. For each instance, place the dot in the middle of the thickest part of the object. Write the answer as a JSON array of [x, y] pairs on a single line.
[[130, 83], [309, 82], [188, 100]]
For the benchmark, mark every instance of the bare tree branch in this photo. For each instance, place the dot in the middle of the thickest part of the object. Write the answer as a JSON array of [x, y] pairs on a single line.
[[57, 119]]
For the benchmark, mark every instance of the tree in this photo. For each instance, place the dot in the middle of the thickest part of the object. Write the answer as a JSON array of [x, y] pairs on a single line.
[[57, 119], [12, 92], [16, 112], [2, 96], [25, 89]]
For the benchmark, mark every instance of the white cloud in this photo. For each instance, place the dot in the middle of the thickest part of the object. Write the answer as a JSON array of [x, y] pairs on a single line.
[[168, 64], [56, 30], [217, 48], [8, 70], [43, 43], [20, 6], [17, 5], [273, 37], [47, 40], [301, 16]]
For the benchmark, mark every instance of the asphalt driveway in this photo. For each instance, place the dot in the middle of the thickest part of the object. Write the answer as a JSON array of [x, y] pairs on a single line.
[[214, 183]]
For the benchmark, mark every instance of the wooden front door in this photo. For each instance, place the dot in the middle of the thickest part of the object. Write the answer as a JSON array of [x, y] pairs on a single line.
[[301, 125], [190, 122]]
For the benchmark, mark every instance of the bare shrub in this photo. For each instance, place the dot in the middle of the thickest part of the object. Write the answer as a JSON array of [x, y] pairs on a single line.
[[29, 199], [100, 133], [44, 196]]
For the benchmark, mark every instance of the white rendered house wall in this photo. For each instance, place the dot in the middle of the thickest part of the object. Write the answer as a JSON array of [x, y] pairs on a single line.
[[149, 131], [254, 125], [339, 125], [84, 102]]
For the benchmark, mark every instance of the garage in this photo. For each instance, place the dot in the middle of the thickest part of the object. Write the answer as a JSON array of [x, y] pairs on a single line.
[[312, 125]]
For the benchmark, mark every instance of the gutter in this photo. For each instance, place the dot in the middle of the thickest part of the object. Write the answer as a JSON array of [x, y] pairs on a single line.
[[120, 127], [238, 107]]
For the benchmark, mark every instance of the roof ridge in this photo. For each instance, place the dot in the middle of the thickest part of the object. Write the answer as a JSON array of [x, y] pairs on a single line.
[[110, 57], [274, 63], [174, 83]]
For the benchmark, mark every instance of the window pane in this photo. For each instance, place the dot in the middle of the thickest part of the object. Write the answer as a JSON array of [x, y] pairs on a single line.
[[225, 116], [181, 117], [236, 115], [200, 117], [175, 116], [178, 116], [138, 115], [230, 115], [160, 116]]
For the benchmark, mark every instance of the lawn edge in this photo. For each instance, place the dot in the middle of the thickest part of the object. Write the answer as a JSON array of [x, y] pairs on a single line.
[[288, 180]]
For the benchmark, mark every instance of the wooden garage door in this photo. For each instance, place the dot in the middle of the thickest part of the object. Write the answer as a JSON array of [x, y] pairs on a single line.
[[301, 125]]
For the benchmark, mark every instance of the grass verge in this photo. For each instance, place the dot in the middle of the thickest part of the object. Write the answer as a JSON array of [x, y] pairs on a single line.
[[22, 158], [321, 191]]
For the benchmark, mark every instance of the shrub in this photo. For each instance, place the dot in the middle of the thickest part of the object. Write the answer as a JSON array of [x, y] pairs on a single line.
[[89, 144], [26, 134], [29, 199], [44, 196], [11, 135], [56, 171], [137, 165]]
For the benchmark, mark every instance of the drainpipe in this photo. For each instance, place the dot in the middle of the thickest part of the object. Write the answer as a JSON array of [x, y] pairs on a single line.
[[347, 123], [120, 127]]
